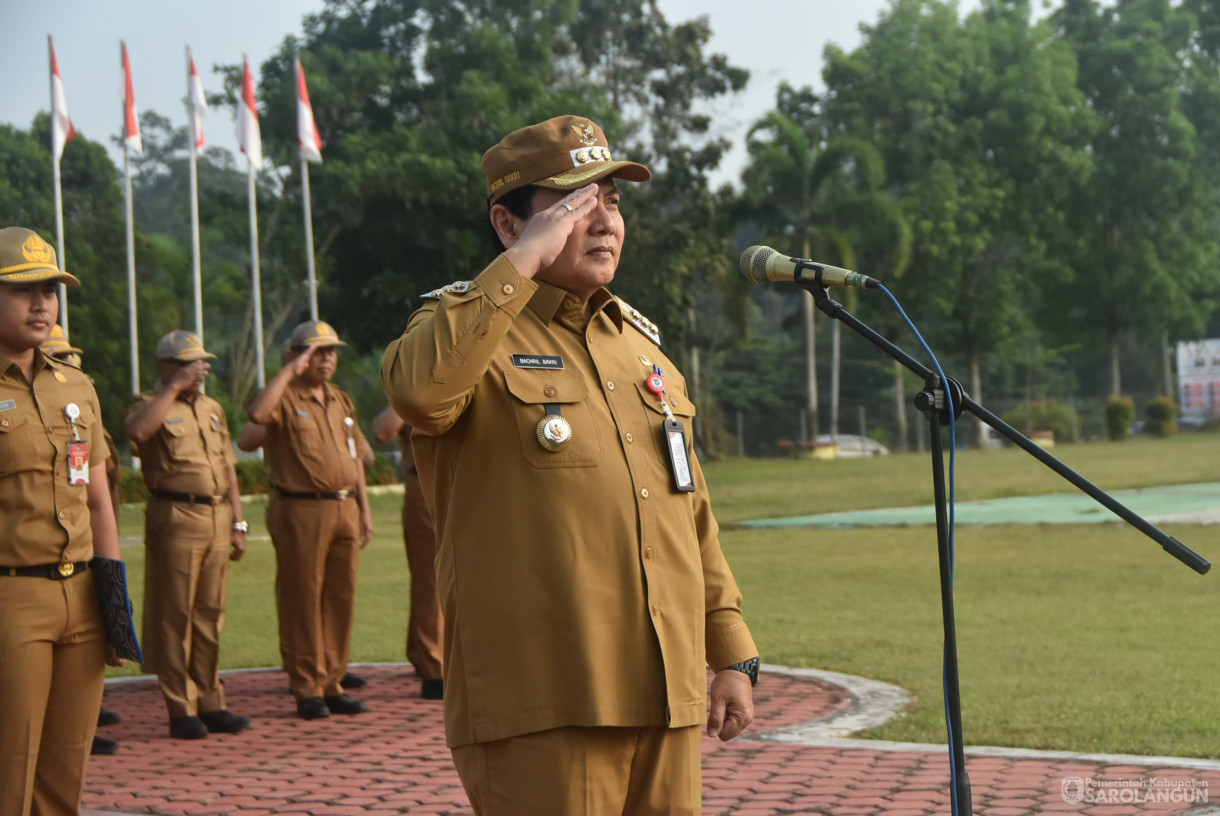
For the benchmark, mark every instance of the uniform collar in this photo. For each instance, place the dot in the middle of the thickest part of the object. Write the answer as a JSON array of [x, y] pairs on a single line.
[[551, 300], [41, 360]]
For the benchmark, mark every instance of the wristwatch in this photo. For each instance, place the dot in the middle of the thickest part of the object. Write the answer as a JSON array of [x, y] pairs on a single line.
[[241, 527], [747, 667]]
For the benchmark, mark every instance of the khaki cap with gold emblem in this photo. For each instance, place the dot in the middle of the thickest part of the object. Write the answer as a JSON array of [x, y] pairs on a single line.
[[183, 346], [316, 333], [57, 344], [564, 153], [26, 258]]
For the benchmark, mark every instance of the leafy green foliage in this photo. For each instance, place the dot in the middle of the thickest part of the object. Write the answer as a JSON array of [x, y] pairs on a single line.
[[1120, 413], [1161, 416]]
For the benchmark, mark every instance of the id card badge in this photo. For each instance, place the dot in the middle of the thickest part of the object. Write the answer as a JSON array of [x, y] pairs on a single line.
[[78, 462], [349, 423], [679, 464]]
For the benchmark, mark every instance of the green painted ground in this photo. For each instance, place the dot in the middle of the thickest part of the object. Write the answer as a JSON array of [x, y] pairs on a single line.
[[1197, 503]]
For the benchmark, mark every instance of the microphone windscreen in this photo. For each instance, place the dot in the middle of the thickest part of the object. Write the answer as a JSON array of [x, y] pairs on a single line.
[[754, 263]]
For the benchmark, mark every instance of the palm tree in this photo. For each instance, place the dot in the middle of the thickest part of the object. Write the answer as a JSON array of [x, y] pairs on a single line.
[[797, 183]]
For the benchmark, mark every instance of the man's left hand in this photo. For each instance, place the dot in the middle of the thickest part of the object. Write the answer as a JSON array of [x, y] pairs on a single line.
[[731, 704], [366, 528]]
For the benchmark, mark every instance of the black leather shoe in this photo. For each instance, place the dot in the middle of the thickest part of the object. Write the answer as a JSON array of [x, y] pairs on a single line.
[[106, 717], [103, 746], [432, 689], [312, 708], [351, 681], [187, 728], [222, 721], [342, 704]]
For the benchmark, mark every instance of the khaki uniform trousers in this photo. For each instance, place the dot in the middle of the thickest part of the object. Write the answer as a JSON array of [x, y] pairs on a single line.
[[186, 573], [317, 556], [582, 771], [425, 626], [52, 667]]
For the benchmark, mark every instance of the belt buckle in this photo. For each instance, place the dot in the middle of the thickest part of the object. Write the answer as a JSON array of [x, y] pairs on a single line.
[[66, 569], [215, 500], [343, 494]]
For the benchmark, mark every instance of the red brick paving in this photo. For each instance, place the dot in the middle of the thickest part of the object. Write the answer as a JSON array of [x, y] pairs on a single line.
[[394, 760]]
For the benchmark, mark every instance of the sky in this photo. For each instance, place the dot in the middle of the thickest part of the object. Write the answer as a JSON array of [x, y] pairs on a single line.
[[779, 40]]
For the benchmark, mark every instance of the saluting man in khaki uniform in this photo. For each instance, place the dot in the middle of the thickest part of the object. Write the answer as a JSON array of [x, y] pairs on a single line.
[[425, 624], [318, 516], [193, 527], [580, 571], [56, 516]]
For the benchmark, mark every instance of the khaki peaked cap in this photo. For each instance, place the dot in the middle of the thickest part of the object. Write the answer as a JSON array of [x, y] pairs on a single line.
[[316, 333], [183, 346], [26, 258], [564, 153]]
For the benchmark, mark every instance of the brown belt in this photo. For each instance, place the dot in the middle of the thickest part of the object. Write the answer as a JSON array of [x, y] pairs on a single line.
[[334, 494], [55, 572], [189, 498]]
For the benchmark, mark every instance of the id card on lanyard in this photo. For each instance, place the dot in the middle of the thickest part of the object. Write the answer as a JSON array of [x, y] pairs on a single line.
[[78, 449], [675, 436]]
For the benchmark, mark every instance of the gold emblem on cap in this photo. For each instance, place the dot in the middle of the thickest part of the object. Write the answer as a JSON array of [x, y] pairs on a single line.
[[191, 340], [36, 250], [586, 134], [582, 156], [554, 432]]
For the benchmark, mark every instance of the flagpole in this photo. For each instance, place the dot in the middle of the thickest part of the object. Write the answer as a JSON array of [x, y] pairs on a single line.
[[62, 289], [196, 260], [256, 275], [133, 328], [309, 259]]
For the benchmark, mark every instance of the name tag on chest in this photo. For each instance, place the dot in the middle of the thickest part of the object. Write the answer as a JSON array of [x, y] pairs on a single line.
[[547, 361], [8, 405]]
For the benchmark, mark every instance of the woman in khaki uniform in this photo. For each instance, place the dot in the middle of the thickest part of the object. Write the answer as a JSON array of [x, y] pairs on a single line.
[[56, 513]]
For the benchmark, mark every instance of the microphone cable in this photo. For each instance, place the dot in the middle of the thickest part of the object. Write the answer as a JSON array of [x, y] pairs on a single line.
[[954, 771]]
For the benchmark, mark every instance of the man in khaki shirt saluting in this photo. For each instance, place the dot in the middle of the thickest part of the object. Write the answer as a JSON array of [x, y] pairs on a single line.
[[193, 527], [318, 516], [584, 591]]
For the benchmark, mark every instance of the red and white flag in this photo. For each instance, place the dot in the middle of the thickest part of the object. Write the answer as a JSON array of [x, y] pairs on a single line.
[[131, 116], [61, 123], [198, 103], [247, 121], [309, 141]]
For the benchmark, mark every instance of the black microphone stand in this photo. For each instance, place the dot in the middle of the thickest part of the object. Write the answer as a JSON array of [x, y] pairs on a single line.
[[932, 403]]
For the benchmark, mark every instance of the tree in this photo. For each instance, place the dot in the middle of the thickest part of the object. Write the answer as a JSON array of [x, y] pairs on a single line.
[[796, 181]]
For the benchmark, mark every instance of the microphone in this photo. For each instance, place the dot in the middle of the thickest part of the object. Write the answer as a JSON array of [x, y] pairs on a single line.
[[761, 263]]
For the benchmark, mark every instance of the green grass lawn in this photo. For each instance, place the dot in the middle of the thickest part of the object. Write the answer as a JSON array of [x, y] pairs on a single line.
[[1081, 637]]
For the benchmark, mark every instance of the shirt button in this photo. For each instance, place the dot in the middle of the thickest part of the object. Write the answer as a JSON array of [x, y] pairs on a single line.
[[630, 438], [610, 384], [3, 423], [549, 391], [644, 492], [648, 552], [62, 514], [507, 289]]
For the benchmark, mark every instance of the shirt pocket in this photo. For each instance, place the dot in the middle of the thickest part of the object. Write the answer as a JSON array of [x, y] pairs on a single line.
[[683, 410], [306, 436], [179, 443], [19, 449], [532, 391]]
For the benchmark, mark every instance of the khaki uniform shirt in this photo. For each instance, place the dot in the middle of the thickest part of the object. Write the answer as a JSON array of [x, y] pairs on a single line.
[[307, 442], [191, 452], [579, 587], [45, 519]]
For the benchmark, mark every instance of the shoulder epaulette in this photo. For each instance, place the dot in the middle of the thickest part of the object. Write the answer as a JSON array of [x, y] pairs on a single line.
[[457, 287], [637, 319]]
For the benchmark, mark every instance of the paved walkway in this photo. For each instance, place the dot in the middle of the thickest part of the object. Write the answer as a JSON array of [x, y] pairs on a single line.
[[393, 760]]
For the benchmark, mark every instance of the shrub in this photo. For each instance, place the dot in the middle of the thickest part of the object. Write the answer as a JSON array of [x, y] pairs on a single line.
[[1120, 413], [382, 471], [131, 486], [1161, 416], [1046, 415], [252, 476]]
